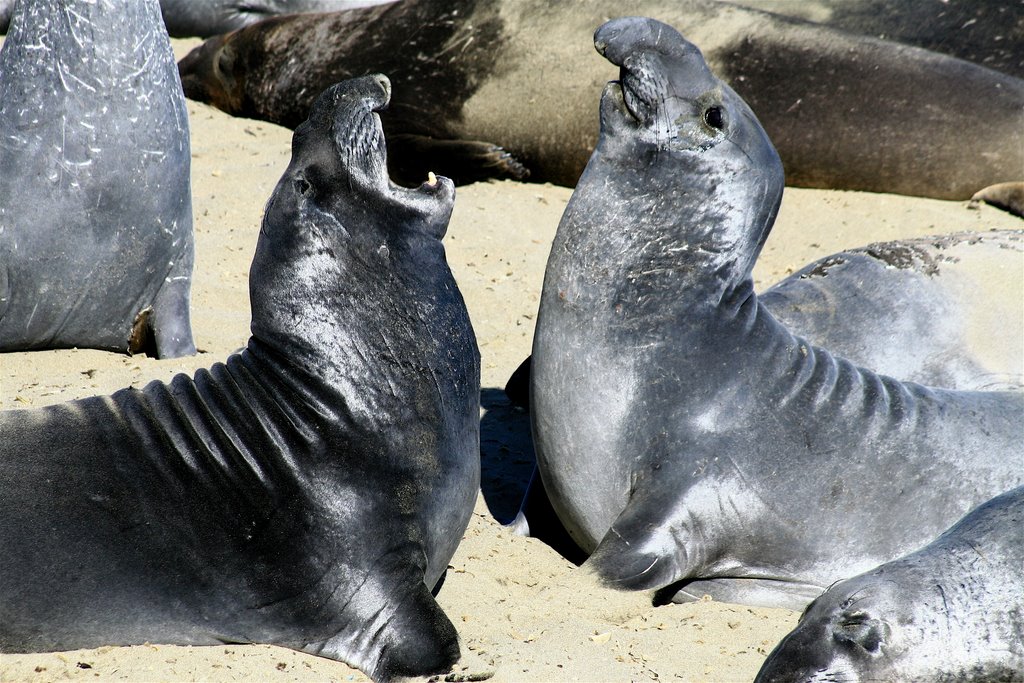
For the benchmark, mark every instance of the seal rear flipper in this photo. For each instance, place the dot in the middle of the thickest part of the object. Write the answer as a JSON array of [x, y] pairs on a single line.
[[740, 590], [170, 322], [411, 157], [1006, 196], [415, 638], [517, 388]]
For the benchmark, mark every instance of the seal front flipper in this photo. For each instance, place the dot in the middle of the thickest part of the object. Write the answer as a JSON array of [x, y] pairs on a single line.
[[415, 638], [411, 157], [665, 552]]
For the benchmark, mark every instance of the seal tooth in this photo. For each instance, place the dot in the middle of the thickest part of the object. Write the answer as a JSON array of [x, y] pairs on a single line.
[[431, 178]]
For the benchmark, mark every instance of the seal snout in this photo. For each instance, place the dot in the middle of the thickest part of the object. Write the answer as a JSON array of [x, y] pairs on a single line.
[[620, 39]]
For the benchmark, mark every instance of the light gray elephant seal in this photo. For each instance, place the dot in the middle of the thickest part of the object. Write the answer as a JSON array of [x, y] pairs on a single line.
[[306, 493], [952, 611], [716, 453], [517, 75], [943, 311], [95, 201]]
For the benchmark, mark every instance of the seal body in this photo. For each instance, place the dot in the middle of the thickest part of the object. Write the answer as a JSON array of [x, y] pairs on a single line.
[[952, 611], [210, 17], [941, 310], [95, 203], [310, 491], [717, 453], [517, 74], [986, 32]]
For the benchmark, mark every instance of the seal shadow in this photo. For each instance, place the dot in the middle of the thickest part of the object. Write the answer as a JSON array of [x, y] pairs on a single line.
[[507, 466]]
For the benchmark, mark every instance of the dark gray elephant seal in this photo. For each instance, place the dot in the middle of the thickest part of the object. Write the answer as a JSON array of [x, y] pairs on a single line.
[[95, 201], [210, 17], [517, 74], [952, 611], [716, 453], [308, 492]]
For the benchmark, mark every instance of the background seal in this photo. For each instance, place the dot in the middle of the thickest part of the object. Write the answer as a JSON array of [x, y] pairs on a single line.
[[517, 75], [96, 242], [952, 611]]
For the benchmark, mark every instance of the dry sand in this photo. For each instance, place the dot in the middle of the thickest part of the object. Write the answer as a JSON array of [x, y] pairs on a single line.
[[523, 611]]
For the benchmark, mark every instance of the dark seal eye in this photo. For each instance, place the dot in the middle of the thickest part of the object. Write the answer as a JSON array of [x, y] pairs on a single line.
[[302, 186], [713, 117]]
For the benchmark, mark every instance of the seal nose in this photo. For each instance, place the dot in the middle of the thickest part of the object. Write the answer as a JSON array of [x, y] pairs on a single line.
[[618, 39], [385, 84]]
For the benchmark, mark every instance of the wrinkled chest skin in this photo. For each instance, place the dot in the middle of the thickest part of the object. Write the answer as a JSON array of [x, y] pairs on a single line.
[[715, 452], [952, 611], [310, 491], [96, 244]]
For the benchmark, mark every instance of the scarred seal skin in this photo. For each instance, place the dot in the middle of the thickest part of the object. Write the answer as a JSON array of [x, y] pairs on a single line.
[[715, 452], [310, 491], [952, 611], [96, 242], [485, 80]]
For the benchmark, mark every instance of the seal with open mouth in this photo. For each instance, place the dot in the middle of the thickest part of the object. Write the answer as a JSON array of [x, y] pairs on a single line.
[[952, 611], [714, 452], [310, 491]]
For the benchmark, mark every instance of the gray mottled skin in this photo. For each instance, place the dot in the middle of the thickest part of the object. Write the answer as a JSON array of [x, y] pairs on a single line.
[[716, 452], [95, 201], [308, 492], [210, 17], [952, 611], [986, 32], [943, 311], [856, 112]]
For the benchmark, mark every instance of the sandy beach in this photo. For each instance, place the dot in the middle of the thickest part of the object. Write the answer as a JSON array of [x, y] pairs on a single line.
[[524, 613]]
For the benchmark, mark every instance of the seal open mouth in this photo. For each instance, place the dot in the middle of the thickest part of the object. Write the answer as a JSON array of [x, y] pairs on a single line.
[[359, 136]]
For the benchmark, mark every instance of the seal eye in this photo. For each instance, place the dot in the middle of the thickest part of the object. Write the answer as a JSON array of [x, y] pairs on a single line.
[[714, 118], [302, 186]]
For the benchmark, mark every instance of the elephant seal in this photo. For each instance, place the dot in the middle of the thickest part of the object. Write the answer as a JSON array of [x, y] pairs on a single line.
[[717, 453], [1006, 196], [96, 242], [952, 611], [516, 75], [308, 492], [943, 311]]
